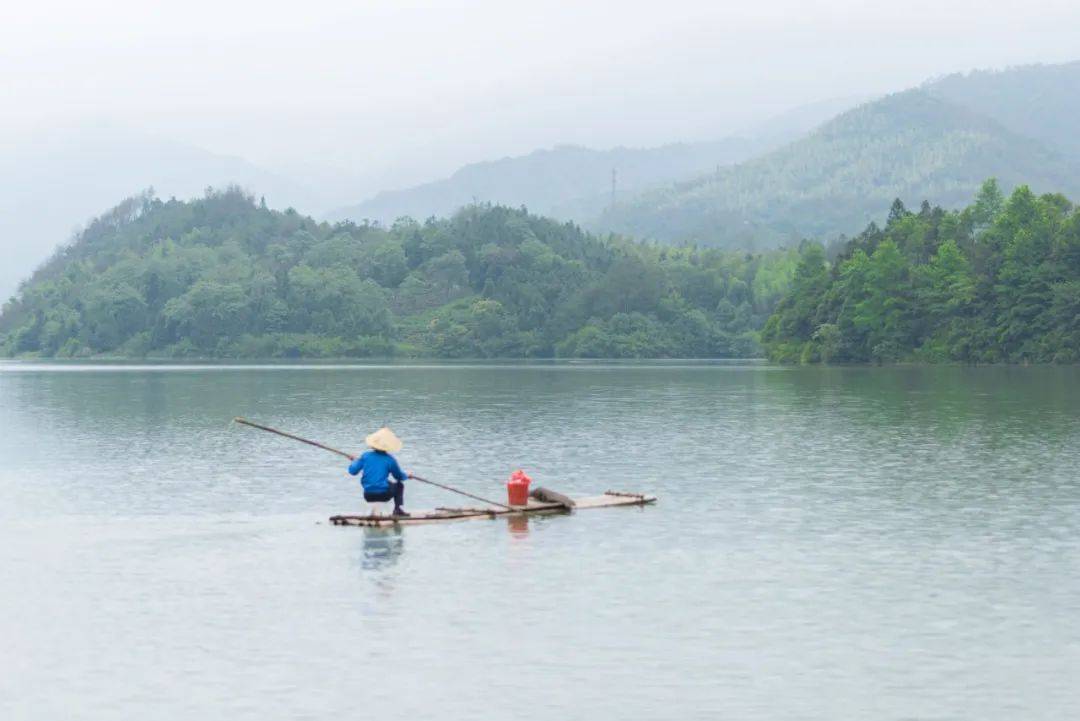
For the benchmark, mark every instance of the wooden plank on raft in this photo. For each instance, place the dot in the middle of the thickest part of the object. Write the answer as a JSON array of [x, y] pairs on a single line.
[[610, 499]]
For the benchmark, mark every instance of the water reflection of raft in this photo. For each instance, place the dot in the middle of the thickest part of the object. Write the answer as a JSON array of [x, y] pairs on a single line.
[[535, 506]]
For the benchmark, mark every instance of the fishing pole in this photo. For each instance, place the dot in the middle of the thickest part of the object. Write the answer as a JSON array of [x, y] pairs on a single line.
[[351, 457]]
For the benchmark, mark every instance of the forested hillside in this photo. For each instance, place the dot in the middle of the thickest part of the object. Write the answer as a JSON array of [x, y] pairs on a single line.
[[574, 183], [998, 281], [568, 182], [1038, 101], [223, 276], [911, 145], [937, 142]]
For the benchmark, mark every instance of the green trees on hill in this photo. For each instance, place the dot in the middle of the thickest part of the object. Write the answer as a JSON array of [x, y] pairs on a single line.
[[1037, 101], [223, 276], [842, 176], [996, 282]]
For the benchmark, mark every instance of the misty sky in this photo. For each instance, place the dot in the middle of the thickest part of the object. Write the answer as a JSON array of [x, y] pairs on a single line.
[[398, 92]]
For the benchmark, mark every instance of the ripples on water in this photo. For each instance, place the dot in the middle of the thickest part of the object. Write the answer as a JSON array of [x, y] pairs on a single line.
[[850, 543]]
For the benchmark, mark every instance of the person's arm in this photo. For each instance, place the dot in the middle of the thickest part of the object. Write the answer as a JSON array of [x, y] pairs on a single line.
[[396, 471], [356, 465]]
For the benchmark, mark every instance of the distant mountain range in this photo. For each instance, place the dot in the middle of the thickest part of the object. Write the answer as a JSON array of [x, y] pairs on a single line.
[[574, 182], [818, 171], [53, 180], [1039, 101], [936, 143]]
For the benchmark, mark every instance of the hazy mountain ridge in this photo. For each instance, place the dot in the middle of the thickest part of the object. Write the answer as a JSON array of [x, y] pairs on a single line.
[[566, 181], [1016, 124], [917, 144], [574, 182], [1039, 101]]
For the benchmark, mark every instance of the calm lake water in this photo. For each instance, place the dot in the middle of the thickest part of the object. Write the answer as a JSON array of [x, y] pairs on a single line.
[[830, 543]]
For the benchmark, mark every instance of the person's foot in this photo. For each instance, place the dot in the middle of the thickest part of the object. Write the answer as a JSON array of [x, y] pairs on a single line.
[[400, 512]]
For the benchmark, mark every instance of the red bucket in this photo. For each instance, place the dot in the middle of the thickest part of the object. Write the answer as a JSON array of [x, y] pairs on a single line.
[[517, 489]]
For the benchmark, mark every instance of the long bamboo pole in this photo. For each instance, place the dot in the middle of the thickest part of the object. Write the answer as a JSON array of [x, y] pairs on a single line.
[[351, 457]]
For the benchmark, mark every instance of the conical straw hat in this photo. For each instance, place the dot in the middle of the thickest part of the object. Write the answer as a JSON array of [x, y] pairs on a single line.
[[384, 440]]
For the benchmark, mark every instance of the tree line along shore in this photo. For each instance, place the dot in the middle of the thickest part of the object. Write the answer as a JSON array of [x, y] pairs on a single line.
[[223, 276], [995, 282]]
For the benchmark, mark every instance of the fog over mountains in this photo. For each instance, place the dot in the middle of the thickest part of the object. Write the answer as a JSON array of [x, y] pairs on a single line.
[[816, 171], [573, 182], [58, 179], [823, 171], [936, 143]]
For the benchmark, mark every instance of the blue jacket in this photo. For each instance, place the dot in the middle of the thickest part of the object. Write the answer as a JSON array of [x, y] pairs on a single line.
[[377, 467]]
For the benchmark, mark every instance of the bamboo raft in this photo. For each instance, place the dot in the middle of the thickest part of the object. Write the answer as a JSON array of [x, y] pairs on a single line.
[[541, 500], [609, 499]]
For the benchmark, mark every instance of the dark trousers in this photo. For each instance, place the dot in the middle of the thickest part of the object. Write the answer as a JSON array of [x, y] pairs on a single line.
[[395, 492]]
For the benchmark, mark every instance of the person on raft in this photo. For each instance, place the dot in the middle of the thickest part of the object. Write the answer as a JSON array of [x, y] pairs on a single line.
[[377, 465]]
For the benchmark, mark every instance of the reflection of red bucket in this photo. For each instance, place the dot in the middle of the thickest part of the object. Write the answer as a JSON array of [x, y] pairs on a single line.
[[518, 525], [517, 489]]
